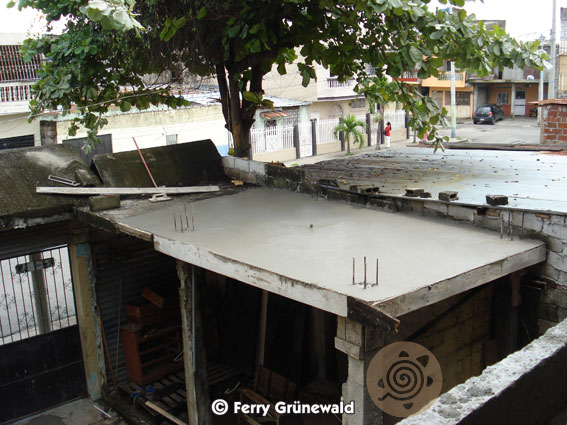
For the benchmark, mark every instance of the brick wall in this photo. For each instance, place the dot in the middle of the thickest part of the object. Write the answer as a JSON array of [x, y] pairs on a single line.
[[555, 125]]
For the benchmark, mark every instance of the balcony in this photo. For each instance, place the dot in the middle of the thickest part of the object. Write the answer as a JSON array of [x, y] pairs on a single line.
[[444, 80], [15, 92], [333, 83]]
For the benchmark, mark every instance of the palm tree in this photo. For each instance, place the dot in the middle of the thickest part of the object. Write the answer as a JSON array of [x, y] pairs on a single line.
[[349, 126]]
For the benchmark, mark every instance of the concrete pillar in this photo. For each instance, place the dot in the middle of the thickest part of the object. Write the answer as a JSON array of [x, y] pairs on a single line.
[[43, 318], [48, 132], [513, 100], [83, 276], [314, 137], [368, 130], [296, 142], [474, 98], [193, 347], [360, 344]]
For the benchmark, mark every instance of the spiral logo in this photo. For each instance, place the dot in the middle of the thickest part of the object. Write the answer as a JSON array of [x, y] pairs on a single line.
[[403, 378], [219, 407]]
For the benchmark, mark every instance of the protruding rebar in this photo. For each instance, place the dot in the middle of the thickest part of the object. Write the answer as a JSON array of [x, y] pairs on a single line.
[[364, 272], [377, 272], [353, 268]]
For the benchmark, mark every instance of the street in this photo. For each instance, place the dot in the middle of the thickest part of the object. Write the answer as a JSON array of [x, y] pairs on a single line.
[[508, 131]]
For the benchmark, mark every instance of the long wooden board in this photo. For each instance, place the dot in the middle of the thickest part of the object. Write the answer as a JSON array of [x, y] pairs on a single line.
[[125, 190]]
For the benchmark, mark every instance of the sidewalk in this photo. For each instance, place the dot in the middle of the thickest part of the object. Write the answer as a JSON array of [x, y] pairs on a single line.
[[342, 155]]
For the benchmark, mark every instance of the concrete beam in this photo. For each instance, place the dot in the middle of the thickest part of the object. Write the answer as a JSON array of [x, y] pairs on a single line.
[[321, 298], [447, 288]]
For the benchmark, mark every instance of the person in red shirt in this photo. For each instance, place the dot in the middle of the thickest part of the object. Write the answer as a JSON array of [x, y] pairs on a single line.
[[387, 134]]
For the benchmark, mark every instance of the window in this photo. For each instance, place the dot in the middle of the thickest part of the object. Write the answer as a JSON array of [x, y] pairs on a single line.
[[292, 117], [359, 103], [170, 139], [503, 98], [462, 98]]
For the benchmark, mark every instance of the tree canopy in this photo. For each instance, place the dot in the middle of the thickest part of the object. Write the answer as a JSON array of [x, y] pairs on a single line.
[[109, 45]]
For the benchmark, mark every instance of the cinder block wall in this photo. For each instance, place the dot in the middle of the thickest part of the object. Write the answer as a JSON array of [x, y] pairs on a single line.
[[457, 339]]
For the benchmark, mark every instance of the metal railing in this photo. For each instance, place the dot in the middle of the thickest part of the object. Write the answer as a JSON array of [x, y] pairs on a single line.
[[20, 92], [36, 294], [446, 76], [333, 83]]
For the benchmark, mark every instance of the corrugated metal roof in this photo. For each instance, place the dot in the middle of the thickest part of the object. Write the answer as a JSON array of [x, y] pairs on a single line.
[[274, 114]]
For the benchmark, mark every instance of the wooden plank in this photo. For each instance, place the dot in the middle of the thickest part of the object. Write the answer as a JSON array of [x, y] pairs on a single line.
[[153, 297], [349, 348], [90, 191], [165, 413]]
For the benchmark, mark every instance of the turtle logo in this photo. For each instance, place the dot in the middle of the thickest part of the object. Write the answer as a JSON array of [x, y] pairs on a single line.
[[403, 378]]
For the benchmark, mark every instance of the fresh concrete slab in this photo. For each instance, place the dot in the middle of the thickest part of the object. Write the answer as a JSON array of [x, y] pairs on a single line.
[[303, 248], [531, 180]]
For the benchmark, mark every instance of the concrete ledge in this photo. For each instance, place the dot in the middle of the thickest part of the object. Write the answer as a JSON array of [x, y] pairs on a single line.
[[244, 169], [509, 391]]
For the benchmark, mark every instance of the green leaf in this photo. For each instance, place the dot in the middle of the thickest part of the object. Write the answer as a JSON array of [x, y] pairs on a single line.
[[125, 106], [251, 97], [255, 46], [281, 69], [233, 31], [306, 79], [415, 54], [202, 13]]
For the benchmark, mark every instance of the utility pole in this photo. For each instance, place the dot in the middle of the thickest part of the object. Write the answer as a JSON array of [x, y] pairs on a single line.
[[553, 54], [454, 102]]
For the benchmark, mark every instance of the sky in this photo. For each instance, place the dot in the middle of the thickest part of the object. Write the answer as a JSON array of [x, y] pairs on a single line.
[[525, 19]]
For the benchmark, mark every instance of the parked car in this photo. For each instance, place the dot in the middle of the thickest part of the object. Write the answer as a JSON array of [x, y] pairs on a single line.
[[488, 113]]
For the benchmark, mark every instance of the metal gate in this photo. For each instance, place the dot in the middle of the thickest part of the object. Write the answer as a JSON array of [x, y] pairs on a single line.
[[305, 140], [40, 350]]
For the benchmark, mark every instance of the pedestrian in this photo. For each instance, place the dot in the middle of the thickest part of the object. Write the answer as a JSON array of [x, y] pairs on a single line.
[[387, 134]]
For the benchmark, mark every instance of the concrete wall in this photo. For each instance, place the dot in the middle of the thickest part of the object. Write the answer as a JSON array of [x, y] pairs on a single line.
[[151, 127], [555, 125], [328, 148], [526, 388], [289, 85], [15, 125], [279, 156]]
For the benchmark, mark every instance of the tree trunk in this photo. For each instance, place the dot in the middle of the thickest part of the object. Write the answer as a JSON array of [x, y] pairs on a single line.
[[238, 114], [348, 144]]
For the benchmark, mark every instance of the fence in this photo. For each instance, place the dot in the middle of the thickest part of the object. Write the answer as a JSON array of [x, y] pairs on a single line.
[[36, 294], [278, 138]]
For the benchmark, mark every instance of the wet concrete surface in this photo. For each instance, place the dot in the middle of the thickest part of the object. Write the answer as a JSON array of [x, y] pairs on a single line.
[[531, 180], [314, 241]]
